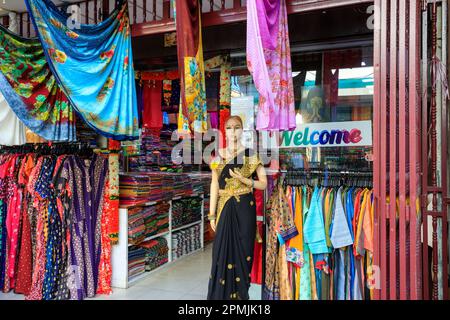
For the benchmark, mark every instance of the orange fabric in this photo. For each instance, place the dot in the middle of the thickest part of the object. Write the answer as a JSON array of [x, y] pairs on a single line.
[[297, 241], [368, 224]]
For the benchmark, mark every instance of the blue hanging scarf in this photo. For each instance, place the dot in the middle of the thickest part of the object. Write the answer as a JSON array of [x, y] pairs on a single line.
[[93, 65]]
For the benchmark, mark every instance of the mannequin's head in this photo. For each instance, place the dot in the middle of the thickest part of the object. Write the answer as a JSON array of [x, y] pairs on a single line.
[[233, 130]]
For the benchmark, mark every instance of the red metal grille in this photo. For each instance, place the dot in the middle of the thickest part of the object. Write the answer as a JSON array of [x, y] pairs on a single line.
[[431, 187], [396, 150]]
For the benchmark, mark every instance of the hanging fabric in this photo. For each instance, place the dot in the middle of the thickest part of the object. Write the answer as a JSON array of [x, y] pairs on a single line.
[[225, 90], [193, 114], [31, 90], [12, 130], [269, 62], [93, 65]]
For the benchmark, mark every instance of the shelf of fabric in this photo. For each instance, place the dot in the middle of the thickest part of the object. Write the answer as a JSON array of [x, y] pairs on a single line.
[[187, 226], [126, 274], [153, 237], [187, 240]]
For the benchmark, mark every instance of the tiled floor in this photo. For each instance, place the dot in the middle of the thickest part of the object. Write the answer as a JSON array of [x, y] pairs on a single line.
[[186, 279]]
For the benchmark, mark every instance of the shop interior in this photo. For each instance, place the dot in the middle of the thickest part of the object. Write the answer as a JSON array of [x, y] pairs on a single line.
[[163, 249]]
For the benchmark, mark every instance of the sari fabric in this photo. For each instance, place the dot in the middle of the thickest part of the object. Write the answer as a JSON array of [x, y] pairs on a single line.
[[193, 109], [234, 242], [269, 62], [31, 90], [93, 65]]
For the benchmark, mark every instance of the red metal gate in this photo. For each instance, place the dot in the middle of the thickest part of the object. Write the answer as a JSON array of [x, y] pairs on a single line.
[[410, 151], [435, 199], [397, 148]]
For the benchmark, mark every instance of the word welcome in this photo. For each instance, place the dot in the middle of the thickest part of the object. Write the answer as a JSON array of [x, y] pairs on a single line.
[[330, 134]]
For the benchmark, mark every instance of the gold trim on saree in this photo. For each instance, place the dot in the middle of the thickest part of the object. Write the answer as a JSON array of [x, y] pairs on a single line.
[[227, 194], [234, 187]]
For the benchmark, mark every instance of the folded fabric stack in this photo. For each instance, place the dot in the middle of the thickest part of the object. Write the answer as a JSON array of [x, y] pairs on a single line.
[[136, 262], [206, 206], [157, 253], [156, 218], [136, 226], [186, 211], [156, 152], [182, 185], [197, 184], [138, 188], [134, 188], [186, 241], [208, 233], [201, 182]]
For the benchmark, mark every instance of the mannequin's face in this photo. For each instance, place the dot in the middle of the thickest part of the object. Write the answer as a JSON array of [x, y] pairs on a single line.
[[233, 131]]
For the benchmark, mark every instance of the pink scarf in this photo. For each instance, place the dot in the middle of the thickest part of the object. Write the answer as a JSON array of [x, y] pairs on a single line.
[[269, 62]]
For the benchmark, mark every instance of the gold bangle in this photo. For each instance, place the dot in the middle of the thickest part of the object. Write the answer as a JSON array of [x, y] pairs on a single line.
[[211, 217]]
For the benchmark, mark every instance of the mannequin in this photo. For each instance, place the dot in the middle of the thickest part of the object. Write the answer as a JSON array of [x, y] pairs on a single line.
[[233, 215]]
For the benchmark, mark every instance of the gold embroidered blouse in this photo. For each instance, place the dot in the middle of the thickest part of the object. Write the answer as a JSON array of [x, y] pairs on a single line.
[[232, 187]]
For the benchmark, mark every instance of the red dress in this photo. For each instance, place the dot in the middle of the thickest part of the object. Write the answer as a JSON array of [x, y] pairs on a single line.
[[256, 275], [24, 268]]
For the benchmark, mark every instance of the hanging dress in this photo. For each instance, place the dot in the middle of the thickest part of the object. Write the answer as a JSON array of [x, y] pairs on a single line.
[[233, 248]]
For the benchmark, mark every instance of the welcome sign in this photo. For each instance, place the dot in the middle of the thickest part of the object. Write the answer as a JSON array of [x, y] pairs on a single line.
[[329, 134]]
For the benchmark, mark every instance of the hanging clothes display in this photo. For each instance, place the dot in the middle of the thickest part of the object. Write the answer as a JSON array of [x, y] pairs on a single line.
[[93, 65], [193, 110], [328, 253], [31, 90], [54, 222], [269, 62]]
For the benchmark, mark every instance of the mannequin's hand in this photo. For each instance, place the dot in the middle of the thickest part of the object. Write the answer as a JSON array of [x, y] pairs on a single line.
[[239, 176], [213, 225]]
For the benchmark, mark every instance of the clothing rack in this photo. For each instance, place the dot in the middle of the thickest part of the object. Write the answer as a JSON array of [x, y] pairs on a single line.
[[49, 148], [327, 177]]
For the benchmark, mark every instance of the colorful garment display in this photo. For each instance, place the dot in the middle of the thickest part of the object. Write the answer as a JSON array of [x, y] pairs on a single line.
[[269, 62], [186, 241], [186, 211], [330, 257], [156, 253], [93, 65], [51, 218], [192, 115], [31, 90]]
